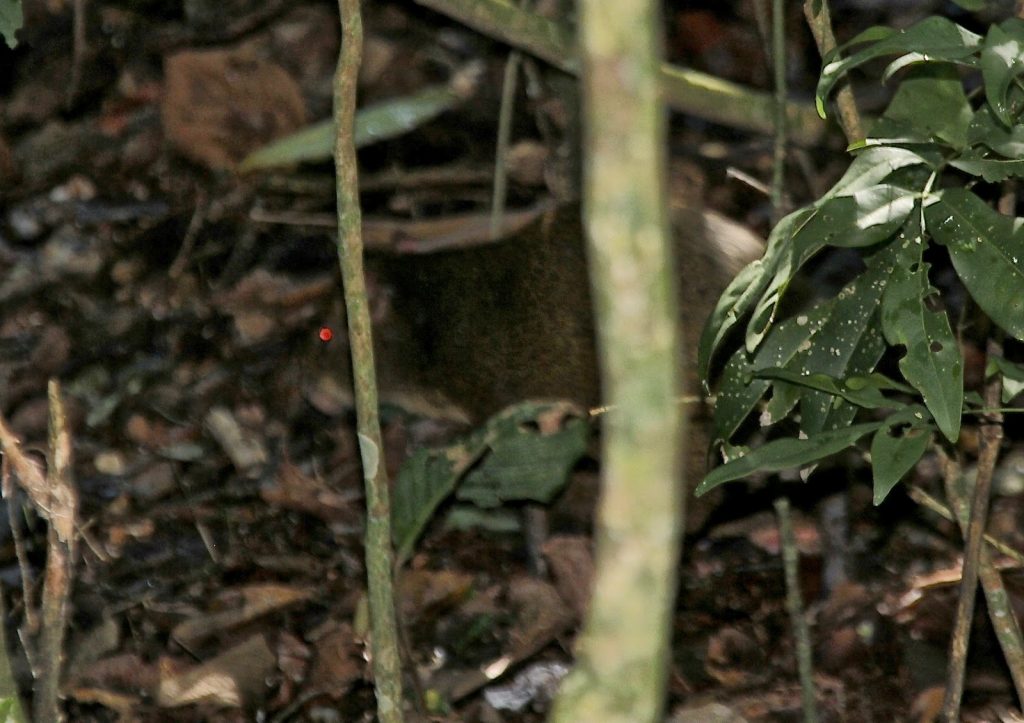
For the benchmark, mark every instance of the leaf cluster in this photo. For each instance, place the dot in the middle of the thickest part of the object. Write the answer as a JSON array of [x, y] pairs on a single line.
[[913, 183]]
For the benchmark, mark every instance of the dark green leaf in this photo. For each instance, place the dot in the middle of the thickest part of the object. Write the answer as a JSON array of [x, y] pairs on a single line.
[[786, 454], [862, 391], [993, 170], [849, 343], [739, 392], [732, 305], [426, 480], [761, 285], [506, 459], [379, 122], [986, 130], [932, 39], [930, 103], [525, 466], [932, 361], [896, 448], [1001, 63], [1013, 376], [987, 250]]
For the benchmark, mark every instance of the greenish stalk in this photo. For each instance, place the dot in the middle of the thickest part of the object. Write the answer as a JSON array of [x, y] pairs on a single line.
[[991, 437], [688, 91], [622, 653], [508, 96], [819, 19], [795, 606], [387, 669], [779, 66]]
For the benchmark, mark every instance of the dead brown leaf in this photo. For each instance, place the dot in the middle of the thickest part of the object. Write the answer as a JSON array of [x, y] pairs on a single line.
[[220, 105]]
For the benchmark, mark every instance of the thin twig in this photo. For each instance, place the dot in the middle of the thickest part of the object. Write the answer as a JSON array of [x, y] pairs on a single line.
[[795, 606], [1004, 619], [991, 436], [684, 90], [926, 500], [58, 575], [387, 667], [508, 97], [779, 137], [819, 19]]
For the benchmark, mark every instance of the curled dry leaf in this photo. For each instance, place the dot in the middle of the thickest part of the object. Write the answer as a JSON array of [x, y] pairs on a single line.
[[219, 105]]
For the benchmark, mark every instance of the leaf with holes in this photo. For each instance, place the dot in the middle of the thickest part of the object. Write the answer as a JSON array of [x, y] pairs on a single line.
[[932, 362], [897, 447], [987, 250]]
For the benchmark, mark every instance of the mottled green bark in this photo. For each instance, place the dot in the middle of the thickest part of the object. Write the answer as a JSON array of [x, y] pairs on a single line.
[[379, 556], [622, 653]]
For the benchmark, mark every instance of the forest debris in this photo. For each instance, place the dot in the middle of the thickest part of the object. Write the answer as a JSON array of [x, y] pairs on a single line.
[[293, 489], [219, 105], [244, 447], [534, 685], [249, 603], [572, 567], [234, 678], [431, 591], [338, 663]]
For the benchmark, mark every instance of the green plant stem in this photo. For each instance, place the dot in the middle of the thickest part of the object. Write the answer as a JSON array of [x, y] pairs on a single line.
[[379, 554], [991, 436], [819, 19], [779, 68], [688, 91], [1000, 611], [795, 607], [508, 97], [621, 654]]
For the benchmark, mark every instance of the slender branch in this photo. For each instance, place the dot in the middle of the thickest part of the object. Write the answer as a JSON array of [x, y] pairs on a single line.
[[622, 653], [687, 91], [819, 18], [779, 67], [991, 436], [379, 554], [795, 607]]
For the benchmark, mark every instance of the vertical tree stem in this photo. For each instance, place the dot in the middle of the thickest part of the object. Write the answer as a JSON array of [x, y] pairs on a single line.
[[379, 554], [622, 653]]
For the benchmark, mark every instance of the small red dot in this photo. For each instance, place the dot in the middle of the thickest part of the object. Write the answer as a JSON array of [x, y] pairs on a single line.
[[326, 334]]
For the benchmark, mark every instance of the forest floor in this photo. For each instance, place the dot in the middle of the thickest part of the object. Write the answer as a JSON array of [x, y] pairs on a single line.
[[181, 305]]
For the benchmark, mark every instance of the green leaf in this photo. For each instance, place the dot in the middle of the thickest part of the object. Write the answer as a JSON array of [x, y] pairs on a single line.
[[739, 390], [986, 130], [1001, 64], [525, 465], [379, 122], [760, 286], [992, 170], [11, 20], [896, 448], [426, 480], [506, 459], [987, 250], [932, 39], [1013, 376], [783, 454], [862, 391], [874, 165], [741, 293], [849, 343], [930, 104], [932, 361]]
